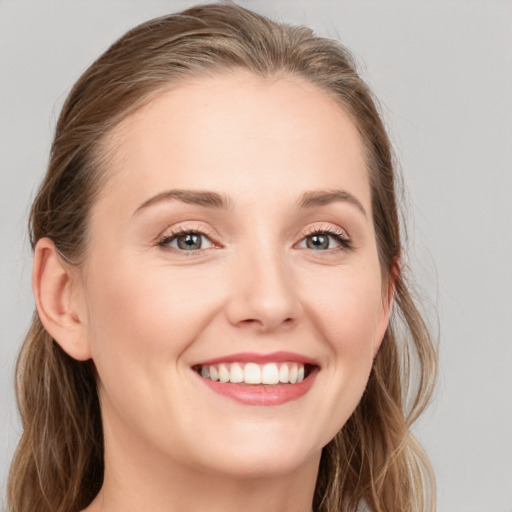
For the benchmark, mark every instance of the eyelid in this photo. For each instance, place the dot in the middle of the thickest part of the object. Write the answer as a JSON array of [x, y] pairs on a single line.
[[175, 231], [329, 229], [343, 239], [172, 233]]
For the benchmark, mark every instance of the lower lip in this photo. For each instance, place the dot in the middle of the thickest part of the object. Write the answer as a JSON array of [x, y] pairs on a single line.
[[262, 394]]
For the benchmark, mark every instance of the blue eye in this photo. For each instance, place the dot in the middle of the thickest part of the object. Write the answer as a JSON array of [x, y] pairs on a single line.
[[318, 242], [325, 240], [187, 241]]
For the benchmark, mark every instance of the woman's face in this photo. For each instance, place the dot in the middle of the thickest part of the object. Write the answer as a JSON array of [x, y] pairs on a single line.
[[234, 241]]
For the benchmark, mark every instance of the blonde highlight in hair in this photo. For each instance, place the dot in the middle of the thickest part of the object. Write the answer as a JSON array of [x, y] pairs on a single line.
[[374, 461]]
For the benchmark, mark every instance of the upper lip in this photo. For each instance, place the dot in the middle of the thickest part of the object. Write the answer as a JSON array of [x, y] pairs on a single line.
[[255, 357]]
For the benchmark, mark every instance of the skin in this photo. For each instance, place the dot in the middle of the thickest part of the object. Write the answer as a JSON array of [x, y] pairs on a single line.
[[145, 313]]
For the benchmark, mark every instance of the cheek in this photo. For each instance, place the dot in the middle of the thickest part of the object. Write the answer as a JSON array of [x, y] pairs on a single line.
[[142, 320], [347, 311], [347, 308], [138, 312]]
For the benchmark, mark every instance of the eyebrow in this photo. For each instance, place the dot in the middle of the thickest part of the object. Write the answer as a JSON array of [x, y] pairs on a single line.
[[323, 197], [215, 200], [197, 197]]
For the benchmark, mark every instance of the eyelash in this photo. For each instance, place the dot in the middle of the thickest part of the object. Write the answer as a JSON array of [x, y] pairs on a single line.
[[340, 236], [184, 230]]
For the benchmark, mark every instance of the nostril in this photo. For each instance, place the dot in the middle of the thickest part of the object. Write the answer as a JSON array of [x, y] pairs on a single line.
[[267, 323], [250, 321]]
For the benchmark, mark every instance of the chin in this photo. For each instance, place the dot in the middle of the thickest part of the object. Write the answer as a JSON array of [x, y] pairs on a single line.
[[260, 456], [254, 466]]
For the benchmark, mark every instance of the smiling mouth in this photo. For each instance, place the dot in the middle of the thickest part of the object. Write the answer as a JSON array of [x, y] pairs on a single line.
[[272, 373]]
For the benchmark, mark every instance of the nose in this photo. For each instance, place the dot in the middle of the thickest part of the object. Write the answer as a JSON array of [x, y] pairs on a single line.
[[263, 294]]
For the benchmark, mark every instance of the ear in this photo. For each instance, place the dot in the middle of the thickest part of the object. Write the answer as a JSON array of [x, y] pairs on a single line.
[[58, 295], [388, 294]]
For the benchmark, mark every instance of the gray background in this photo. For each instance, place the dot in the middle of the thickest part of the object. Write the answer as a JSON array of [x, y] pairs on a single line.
[[443, 72]]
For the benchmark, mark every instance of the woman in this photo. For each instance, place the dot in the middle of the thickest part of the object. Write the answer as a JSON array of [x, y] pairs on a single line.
[[222, 315]]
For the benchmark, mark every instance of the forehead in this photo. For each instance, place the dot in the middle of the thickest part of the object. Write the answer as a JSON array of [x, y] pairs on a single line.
[[238, 133]]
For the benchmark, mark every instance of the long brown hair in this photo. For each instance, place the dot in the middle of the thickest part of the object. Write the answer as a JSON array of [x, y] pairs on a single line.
[[374, 459]]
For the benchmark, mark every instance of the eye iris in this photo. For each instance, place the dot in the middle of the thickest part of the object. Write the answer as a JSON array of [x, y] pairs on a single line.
[[189, 241], [317, 242]]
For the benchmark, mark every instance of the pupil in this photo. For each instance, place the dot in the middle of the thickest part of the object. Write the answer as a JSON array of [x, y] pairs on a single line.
[[190, 241], [318, 242]]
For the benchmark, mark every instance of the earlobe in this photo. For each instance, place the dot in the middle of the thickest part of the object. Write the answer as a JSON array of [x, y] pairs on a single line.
[[57, 295]]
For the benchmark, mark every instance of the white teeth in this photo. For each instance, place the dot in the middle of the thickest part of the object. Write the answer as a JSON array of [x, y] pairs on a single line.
[[252, 374], [236, 374], [292, 376], [214, 374], [283, 373], [223, 373], [270, 374]]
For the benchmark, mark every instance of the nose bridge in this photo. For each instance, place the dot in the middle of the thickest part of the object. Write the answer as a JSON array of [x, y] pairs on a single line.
[[264, 292]]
